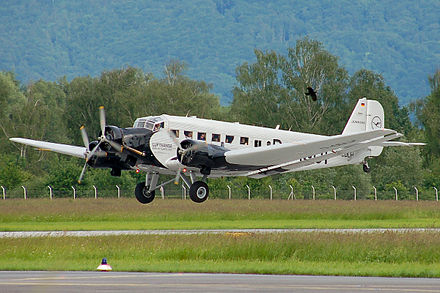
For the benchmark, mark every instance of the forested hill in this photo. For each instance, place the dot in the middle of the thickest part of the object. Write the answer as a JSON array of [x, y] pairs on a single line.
[[50, 39]]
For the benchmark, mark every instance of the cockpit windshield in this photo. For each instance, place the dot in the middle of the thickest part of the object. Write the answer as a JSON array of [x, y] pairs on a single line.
[[151, 123]]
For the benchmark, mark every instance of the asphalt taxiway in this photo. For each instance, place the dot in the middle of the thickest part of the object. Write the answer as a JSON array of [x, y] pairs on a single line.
[[189, 282]]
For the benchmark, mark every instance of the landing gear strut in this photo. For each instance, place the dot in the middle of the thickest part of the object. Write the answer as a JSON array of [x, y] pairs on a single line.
[[145, 191]]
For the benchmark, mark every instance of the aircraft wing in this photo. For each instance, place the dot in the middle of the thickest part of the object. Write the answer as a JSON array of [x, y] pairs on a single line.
[[298, 164], [289, 152], [65, 149]]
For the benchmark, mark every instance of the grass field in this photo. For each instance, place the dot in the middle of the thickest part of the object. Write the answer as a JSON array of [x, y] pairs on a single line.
[[378, 254], [112, 214], [412, 254]]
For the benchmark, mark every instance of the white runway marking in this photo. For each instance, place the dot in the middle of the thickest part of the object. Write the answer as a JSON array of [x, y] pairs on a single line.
[[24, 234]]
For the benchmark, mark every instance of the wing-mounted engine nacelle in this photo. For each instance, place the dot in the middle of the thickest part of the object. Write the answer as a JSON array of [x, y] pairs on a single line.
[[201, 155]]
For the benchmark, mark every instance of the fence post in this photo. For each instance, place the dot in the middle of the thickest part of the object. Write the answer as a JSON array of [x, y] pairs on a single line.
[[334, 191], [354, 190], [119, 191], [183, 192], [96, 191], [417, 193], [436, 194], [50, 192], [4, 192], [270, 187], [292, 194], [162, 192], [313, 192], [24, 192], [74, 192], [229, 191], [395, 190], [249, 192], [375, 193]]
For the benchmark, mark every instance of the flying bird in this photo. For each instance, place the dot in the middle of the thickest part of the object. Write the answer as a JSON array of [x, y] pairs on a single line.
[[311, 93]]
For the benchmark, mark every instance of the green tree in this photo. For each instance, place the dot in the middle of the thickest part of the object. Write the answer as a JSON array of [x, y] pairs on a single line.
[[258, 96], [309, 65], [365, 83], [428, 113]]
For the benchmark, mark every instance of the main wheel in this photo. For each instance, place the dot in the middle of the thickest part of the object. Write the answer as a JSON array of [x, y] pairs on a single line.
[[199, 191], [142, 194], [366, 168]]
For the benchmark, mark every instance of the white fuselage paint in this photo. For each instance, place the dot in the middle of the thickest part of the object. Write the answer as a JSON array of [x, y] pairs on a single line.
[[244, 136]]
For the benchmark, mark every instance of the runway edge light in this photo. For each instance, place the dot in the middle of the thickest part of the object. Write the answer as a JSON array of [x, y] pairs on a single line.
[[104, 267]]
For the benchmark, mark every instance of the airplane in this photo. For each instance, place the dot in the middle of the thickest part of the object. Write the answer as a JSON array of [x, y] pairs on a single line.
[[191, 147]]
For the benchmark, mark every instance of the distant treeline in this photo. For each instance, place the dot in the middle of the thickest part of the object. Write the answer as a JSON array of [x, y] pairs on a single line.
[[269, 92], [50, 39]]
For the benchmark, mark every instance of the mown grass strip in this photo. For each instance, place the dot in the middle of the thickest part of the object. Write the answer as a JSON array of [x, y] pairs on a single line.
[[223, 224], [110, 214], [411, 254]]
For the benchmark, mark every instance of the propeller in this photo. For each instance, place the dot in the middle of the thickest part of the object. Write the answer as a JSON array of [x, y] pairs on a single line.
[[85, 138]]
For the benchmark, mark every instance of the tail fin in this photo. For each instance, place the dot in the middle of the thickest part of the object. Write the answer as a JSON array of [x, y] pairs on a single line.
[[367, 115]]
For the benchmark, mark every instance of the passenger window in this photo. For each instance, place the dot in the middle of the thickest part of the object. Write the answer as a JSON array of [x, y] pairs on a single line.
[[229, 138], [176, 132], [277, 141], [215, 137], [257, 143], [201, 136], [244, 140], [188, 134]]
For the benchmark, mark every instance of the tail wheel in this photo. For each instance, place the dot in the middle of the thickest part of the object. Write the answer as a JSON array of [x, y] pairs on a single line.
[[366, 168], [199, 191], [142, 194]]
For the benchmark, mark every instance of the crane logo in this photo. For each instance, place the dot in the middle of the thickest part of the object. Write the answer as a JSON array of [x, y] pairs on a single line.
[[376, 123]]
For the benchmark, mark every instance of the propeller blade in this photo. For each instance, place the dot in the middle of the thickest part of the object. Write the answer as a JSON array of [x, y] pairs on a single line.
[[102, 120], [174, 137], [82, 173], [85, 137], [115, 145], [93, 151], [194, 147]]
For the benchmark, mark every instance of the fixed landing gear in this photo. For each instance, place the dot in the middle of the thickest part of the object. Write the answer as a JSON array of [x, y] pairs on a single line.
[[145, 191], [365, 167], [199, 191]]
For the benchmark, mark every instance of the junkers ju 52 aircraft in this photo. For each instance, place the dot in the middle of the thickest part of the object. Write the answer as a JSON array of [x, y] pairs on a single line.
[[190, 148]]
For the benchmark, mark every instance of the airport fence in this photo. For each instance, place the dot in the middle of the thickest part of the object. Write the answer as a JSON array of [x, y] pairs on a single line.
[[288, 192]]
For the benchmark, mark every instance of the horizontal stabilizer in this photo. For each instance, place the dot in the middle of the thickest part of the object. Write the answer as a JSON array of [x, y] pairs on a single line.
[[65, 149], [400, 143]]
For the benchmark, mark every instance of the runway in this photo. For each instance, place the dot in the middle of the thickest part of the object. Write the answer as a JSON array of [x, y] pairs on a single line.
[[23, 234], [163, 282]]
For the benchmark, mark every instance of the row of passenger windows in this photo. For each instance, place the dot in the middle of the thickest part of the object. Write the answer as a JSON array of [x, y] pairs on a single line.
[[215, 137]]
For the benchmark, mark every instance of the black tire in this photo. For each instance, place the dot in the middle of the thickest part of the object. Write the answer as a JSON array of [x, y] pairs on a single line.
[[199, 191], [142, 194], [366, 168]]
